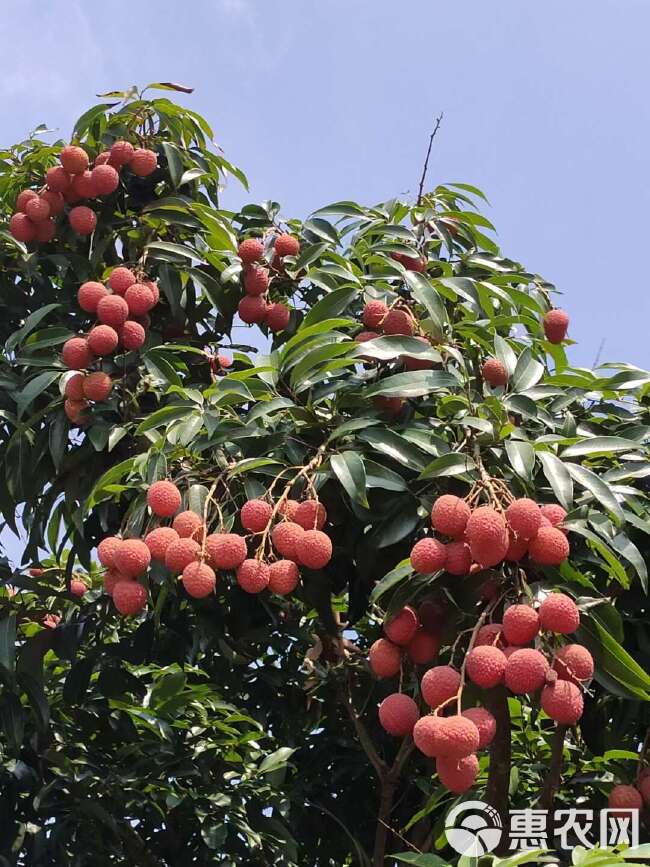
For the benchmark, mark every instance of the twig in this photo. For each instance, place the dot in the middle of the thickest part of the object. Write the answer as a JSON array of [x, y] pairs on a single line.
[[552, 780], [426, 161], [380, 766]]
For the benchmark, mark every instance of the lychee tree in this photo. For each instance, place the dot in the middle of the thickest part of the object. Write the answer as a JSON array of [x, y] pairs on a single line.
[[322, 530]]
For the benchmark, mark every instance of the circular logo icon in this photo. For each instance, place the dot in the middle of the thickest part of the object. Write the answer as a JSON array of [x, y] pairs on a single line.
[[473, 828]]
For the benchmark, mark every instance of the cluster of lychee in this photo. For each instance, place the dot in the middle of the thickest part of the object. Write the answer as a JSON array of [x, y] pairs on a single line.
[[483, 537], [187, 550], [498, 655], [122, 318], [72, 182], [78, 586], [255, 307]]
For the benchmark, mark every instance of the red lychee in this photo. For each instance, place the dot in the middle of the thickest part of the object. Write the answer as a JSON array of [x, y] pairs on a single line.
[[102, 339], [77, 587], [111, 578], [574, 662], [490, 634], [390, 406], [428, 555], [73, 159], [129, 597], [484, 722], [520, 624], [554, 513], [158, 540], [373, 314], [562, 701], [253, 576], [23, 199], [252, 309], [432, 614], [112, 310], [286, 245], [458, 775], [90, 294], [57, 179], [226, 550], [517, 548], [82, 220], [625, 798], [425, 734], [255, 515], [132, 557], [97, 386], [311, 515], [423, 647], [189, 525], [284, 537], [644, 788], [277, 316], [106, 550], [256, 281], [450, 515], [398, 713], [55, 201], [105, 180], [143, 162], [83, 186], [288, 509], [181, 553], [439, 684], [485, 666], [37, 209], [399, 321], [44, 231], [198, 580], [250, 250], [401, 628], [556, 323], [120, 280], [74, 387], [494, 373], [139, 299], [22, 228], [487, 535], [75, 411], [36, 571], [164, 498], [559, 613], [524, 517], [458, 558], [76, 353], [526, 671], [550, 547], [314, 549], [457, 737], [283, 577], [121, 152], [152, 286], [132, 335], [385, 658]]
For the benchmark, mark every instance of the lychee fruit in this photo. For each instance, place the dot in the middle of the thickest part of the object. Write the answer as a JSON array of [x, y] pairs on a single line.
[[121, 152], [143, 162], [625, 798], [458, 558], [517, 548], [286, 245], [484, 722], [314, 549], [181, 553], [398, 713], [423, 647], [559, 613], [57, 179], [110, 579], [520, 624], [129, 597], [112, 310], [36, 571], [494, 373], [432, 614], [524, 517], [255, 515], [44, 231], [55, 201], [23, 199], [556, 323], [526, 671], [77, 587], [485, 666], [390, 406], [428, 555], [554, 513], [106, 551], [562, 701], [132, 557], [198, 580], [487, 535], [288, 509], [226, 550], [373, 314], [311, 515], [550, 547], [284, 537], [574, 662], [401, 628], [457, 737], [74, 387], [90, 294], [37, 209], [83, 186], [250, 250], [413, 363], [97, 386], [120, 279], [490, 634], [425, 734], [252, 309], [439, 684], [76, 353], [139, 299], [152, 286], [105, 180], [102, 339], [450, 515], [189, 525], [253, 576], [398, 321], [75, 411], [277, 316], [158, 540], [385, 658], [164, 499], [132, 335], [256, 281], [457, 775], [73, 159], [22, 228], [283, 577], [82, 220]]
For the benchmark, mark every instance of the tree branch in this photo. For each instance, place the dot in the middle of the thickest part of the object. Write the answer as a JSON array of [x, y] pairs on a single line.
[[496, 701], [380, 766], [426, 161], [552, 780]]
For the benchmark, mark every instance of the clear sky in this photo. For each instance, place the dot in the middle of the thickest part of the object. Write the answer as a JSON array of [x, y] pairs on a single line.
[[546, 109]]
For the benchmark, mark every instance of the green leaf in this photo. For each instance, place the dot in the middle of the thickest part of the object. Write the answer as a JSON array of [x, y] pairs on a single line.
[[505, 354], [330, 306], [424, 293], [613, 658], [351, 473], [600, 489], [626, 548], [414, 384], [395, 346], [522, 458], [275, 760], [162, 416], [196, 497], [391, 579], [452, 464], [420, 860], [395, 446], [600, 445], [528, 371], [381, 477], [34, 388], [174, 162], [558, 477], [29, 325], [8, 643]]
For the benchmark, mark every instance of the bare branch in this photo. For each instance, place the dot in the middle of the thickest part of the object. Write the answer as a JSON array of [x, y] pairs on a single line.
[[552, 781], [380, 766], [426, 161]]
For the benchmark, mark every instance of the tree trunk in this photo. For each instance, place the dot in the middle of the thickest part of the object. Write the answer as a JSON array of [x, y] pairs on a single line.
[[381, 833], [497, 792]]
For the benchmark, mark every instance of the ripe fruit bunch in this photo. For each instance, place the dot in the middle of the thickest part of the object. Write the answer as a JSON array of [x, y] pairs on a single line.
[[255, 307], [411, 636]]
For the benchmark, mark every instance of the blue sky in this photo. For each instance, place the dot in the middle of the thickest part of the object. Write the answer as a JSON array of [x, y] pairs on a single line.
[[545, 104]]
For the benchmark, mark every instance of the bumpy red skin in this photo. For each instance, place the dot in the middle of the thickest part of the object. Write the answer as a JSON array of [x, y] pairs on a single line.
[[283, 577], [37, 209], [487, 535], [22, 228], [120, 279], [83, 186], [255, 515], [428, 555], [398, 321], [189, 525], [526, 671], [90, 294], [256, 281], [288, 509], [253, 576], [24, 197], [57, 179], [164, 498], [277, 316], [143, 162], [550, 547], [106, 551], [74, 410], [226, 550], [490, 634], [484, 722], [181, 553], [563, 702], [132, 335], [423, 647], [524, 517], [158, 540], [373, 314], [432, 614], [459, 558], [106, 179], [517, 548], [97, 386], [520, 624], [74, 387], [398, 713], [494, 373], [45, 231], [314, 549], [554, 513], [458, 776], [458, 737], [82, 220], [485, 666], [55, 201], [252, 309], [425, 734], [559, 613], [112, 310], [401, 628], [120, 153], [102, 340], [284, 537], [76, 353], [139, 299], [311, 515], [286, 245], [625, 798], [132, 558], [439, 684], [556, 323], [73, 159], [129, 597], [77, 587], [250, 250], [449, 515], [574, 662], [198, 580], [111, 578]]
